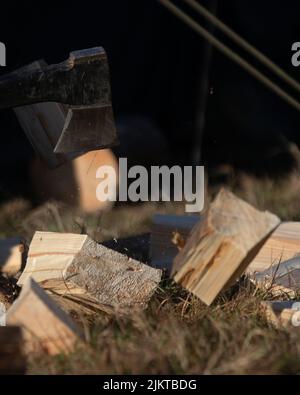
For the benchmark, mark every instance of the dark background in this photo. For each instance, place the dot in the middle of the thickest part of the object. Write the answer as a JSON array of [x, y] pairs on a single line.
[[157, 68]]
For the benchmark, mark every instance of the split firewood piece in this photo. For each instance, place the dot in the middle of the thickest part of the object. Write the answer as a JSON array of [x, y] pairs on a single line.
[[113, 278], [12, 358], [283, 245], [282, 313], [221, 246], [165, 230], [46, 327], [12, 255], [84, 267]]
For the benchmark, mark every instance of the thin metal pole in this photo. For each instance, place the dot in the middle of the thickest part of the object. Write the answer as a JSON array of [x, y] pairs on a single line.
[[203, 89], [244, 44], [231, 54]]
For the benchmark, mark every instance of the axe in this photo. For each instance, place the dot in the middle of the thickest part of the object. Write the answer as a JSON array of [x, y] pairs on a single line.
[[81, 84]]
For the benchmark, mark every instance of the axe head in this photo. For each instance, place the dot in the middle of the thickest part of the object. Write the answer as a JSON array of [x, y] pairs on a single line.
[[87, 128], [63, 108], [89, 124]]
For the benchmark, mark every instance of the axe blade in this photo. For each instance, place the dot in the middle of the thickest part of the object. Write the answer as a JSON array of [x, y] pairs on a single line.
[[87, 128], [82, 83]]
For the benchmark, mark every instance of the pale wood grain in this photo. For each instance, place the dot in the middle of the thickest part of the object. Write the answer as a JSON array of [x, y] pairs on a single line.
[[221, 246], [46, 327], [283, 244]]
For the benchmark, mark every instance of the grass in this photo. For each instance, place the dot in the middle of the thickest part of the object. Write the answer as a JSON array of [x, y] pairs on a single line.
[[177, 334]]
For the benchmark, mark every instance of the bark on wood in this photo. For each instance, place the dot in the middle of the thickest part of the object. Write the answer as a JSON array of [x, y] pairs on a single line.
[[85, 268], [12, 358], [221, 246], [46, 327], [113, 278]]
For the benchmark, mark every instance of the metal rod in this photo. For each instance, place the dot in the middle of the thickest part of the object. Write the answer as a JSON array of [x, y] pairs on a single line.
[[244, 44], [231, 54]]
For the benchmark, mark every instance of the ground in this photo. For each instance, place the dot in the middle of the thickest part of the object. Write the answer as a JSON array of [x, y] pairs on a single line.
[[177, 334]]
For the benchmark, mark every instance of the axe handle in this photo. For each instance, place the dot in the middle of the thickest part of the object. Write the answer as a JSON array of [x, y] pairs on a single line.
[[73, 82]]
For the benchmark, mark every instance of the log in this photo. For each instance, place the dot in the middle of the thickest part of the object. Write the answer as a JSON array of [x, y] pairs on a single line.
[[12, 358], [87, 269], [46, 328], [12, 255], [221, 246], [282, 313]]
